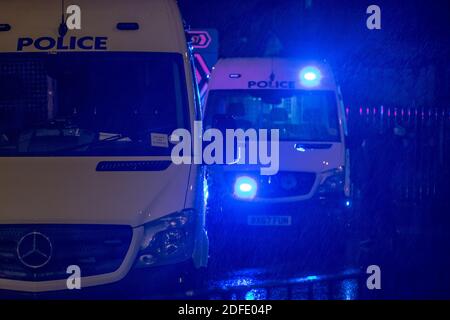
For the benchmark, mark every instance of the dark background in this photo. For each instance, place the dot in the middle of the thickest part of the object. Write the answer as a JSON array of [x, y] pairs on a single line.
[[404, 64]]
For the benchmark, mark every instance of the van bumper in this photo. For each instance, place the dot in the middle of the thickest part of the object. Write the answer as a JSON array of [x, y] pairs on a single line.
[[302, 213], [146, 283], [315, 226]]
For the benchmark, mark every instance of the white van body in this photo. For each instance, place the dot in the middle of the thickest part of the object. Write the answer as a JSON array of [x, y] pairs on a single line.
[[101, 206], [307, 161]]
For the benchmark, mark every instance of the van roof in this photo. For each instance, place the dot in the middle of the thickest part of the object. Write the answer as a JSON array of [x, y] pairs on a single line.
[[160, 24], [255, 73]]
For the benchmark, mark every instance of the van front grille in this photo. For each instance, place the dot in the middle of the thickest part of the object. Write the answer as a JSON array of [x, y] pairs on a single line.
[[286, 184], [283, 184], [44, 252]]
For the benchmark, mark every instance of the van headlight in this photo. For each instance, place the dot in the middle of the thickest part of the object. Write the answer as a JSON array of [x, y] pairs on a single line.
[[333, 181], [167, 240], [245, 188]]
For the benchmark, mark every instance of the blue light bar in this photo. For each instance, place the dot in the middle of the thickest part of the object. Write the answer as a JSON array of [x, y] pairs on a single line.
[[245, 188], [310, 76]]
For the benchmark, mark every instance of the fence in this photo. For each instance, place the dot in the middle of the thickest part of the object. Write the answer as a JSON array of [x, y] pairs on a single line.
[[412, 145]]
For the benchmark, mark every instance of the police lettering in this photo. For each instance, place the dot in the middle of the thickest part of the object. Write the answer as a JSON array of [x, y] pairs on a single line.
[[61, 43], [271, 84]]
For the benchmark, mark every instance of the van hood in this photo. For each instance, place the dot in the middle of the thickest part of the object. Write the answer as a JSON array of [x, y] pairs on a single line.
[[41, 190], [304, 156]]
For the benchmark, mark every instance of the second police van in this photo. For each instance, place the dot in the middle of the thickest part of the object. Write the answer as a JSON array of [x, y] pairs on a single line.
[[312, 187]]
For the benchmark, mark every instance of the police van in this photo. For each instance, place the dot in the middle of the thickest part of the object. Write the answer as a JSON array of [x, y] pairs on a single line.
[[90, 198], [301, 100]]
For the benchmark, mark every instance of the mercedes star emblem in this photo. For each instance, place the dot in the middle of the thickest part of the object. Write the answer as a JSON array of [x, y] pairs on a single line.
[[34, 250]]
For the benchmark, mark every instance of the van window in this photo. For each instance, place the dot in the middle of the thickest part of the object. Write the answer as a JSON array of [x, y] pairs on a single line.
[[298, 114], [105, 103]]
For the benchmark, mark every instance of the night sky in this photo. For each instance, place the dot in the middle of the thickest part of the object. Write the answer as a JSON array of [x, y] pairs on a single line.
[[410, 53]]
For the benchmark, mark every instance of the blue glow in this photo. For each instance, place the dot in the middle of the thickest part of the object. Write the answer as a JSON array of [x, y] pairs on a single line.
[[250, 295], [256, 294], [310, 76], [349, 289], [245, 187], [205, 192], [348, 203]]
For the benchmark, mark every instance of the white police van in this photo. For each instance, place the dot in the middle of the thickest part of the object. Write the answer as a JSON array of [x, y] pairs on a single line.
[[302, 100], [86, 176]]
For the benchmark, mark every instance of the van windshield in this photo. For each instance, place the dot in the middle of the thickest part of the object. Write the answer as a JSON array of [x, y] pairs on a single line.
[[102, 103], [299, 115]]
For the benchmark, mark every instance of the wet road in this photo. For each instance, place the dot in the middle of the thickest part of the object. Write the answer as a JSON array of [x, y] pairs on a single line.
[[268, 283], [413, 272], [414, 264]]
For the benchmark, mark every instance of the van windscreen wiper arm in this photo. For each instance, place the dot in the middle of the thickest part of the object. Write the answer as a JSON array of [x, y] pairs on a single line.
[[112, 138], [91, 144]]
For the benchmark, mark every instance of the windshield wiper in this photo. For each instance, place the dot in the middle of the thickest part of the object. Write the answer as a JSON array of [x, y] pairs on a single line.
[[112, 138]]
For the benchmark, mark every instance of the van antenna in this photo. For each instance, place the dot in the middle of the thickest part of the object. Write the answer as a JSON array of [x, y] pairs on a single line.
[[272, 73], [62, 30]]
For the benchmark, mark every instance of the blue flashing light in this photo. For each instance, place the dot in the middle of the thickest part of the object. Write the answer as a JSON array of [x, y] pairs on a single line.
[[310, 77], [348, 203], [245, 188]]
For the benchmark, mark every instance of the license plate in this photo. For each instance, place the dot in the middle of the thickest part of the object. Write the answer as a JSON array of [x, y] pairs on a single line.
[[269, 220]]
